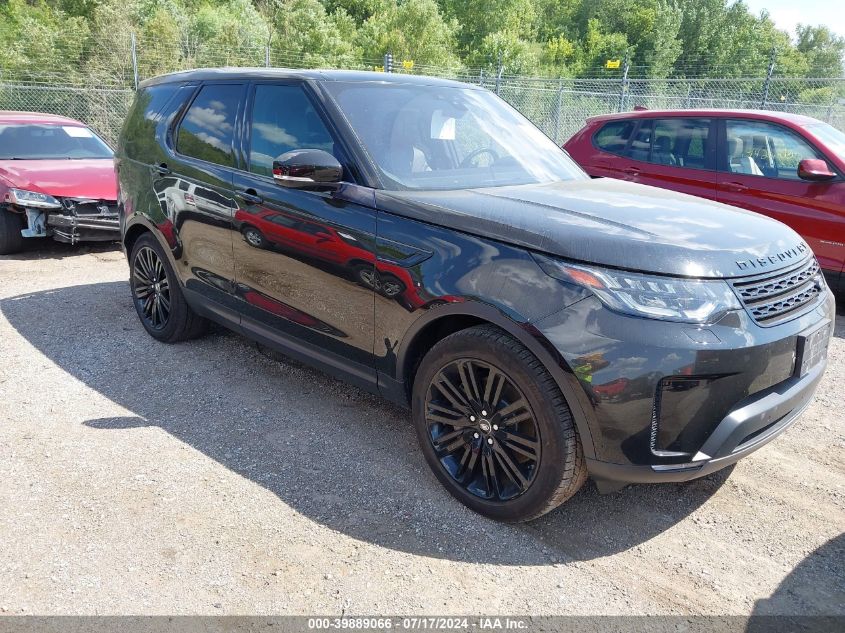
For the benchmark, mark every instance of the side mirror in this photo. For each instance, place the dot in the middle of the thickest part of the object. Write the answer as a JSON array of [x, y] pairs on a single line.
[[307, 169], [814, 169]]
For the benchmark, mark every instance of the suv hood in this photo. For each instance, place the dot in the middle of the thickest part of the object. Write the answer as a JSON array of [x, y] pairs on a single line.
[[613, 223], [70, 178]]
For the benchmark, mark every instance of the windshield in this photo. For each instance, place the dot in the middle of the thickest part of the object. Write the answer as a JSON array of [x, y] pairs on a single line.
[[830, 136], [37, 141], [436, 137]]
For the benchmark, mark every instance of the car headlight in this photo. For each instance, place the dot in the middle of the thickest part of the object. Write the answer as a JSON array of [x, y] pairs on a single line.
[[651, 296], [33, 199]]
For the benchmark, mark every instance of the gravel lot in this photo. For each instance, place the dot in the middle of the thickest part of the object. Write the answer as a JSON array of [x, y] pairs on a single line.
[[207, 478]]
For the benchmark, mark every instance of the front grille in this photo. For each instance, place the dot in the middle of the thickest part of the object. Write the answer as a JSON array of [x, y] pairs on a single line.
[[88, 207], [776, 297]]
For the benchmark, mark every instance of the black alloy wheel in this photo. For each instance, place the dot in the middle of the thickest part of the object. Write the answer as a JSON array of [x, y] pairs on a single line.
[[494, 426], [151, 288], [483, 430]]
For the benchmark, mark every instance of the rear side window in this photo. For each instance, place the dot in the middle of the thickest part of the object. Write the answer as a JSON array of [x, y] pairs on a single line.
[[284, 119], [681, 143], [208, 128], [613, 137]]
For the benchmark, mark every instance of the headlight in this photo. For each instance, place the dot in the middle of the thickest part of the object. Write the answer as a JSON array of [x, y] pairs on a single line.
[[652, 296], [32, 199]]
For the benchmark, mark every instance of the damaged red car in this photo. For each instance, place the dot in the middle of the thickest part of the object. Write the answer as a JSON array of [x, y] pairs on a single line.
[[56, 180]]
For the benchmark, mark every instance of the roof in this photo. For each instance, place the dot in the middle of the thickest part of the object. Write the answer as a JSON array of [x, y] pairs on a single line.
[[767, 115], [11, 116], [207, 74]]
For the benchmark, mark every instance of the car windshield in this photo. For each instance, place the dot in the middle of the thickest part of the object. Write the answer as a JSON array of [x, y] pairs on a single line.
[[834, 139], [443, 137], [37, 141]]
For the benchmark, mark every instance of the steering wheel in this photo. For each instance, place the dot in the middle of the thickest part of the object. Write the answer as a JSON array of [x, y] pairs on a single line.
[[467, 161]]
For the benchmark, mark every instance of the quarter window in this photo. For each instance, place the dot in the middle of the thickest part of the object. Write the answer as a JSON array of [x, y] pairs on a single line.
[[208, 127], [283, 119], [613, 137], [758, 148]]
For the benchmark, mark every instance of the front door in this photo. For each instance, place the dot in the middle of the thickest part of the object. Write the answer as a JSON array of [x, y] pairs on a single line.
[[758, 171], [304, 260]]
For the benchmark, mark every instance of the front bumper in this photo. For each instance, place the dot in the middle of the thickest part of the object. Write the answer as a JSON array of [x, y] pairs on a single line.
[[85, 221], [667, 402], [750, 426]]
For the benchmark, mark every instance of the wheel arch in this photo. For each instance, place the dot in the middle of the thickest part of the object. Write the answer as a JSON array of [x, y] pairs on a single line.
[[442, 321], [131, 236]]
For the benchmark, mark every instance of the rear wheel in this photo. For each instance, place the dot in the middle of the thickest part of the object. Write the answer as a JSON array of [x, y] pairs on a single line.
[[157, 296], [494, 427], [11, 225]]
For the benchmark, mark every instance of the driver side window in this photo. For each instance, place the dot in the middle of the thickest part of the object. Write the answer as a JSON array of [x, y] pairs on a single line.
[[283, 119], [758, 148]]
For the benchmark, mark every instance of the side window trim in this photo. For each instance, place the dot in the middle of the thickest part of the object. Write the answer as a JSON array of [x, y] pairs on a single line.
[[179, 119], [245, 144]]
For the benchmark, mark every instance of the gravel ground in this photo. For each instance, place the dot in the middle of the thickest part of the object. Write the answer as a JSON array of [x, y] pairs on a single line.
[[206, 478]]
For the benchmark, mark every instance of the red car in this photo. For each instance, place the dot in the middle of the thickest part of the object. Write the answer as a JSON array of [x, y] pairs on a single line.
[[56, 180], [786, 166]]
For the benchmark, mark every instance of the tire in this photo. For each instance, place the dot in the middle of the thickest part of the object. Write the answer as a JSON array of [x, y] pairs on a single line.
[[254, 237], [367, 276], [391, 287], [157, 295], [11, 240], [528, 427]]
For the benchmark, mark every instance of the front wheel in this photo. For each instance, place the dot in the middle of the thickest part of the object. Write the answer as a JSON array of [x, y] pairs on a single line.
[[11, 224], [494, 426], [254, 237]]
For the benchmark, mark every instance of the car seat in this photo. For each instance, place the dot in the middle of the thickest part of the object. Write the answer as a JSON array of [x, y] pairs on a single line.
[[740, 163]]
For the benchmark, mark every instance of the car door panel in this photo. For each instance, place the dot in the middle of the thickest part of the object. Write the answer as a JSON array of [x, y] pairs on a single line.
[[667, 169], [307, 273], [196, 190]]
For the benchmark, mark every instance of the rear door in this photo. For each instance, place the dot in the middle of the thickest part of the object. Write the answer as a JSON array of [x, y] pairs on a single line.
[[758, 171], [676, 153], [195, 183]]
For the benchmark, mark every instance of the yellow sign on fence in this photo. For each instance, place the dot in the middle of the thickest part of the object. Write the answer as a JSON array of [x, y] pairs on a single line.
[[408, 64], [613, 63]]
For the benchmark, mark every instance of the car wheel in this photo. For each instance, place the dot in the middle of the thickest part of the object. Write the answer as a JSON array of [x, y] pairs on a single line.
[[391, 286], [254, 237], [494, 427], [11, 224], [367, 276], [157, 296]]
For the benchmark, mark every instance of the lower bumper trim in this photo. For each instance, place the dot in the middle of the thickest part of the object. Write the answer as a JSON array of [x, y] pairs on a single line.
[[794, 400]]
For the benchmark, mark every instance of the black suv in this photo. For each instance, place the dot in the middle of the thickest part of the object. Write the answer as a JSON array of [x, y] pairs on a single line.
[[422, 240]]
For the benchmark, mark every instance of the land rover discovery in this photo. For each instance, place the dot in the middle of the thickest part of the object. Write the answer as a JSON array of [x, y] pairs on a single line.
[[421, 239]]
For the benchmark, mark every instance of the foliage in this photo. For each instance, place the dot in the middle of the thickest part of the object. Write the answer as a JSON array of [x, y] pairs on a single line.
[[559, 38]]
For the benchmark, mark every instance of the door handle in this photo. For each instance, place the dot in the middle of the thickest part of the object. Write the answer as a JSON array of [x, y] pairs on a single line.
[[736, 186], [250, 195], [633, 171], [162, 169]]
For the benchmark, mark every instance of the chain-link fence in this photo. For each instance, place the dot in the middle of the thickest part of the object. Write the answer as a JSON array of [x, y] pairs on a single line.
[[100, 95]]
